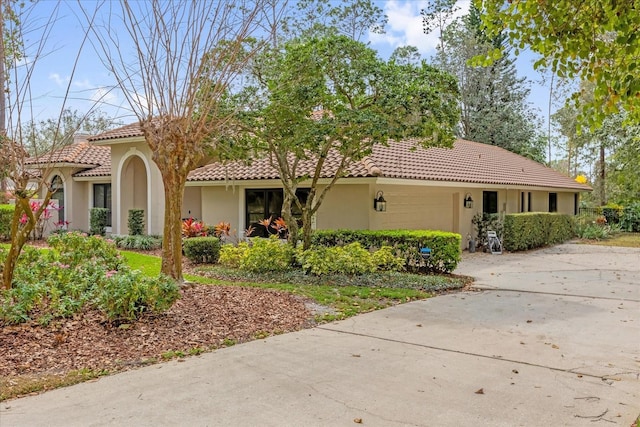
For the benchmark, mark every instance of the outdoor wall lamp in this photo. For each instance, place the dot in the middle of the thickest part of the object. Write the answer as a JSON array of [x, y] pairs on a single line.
[[379, 203], [468, 201]]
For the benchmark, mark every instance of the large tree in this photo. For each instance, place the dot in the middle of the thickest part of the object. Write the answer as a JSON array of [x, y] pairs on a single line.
[[27, 179], [42, 135], [177, 46], [592, 40], [320, 104], [494, 104]]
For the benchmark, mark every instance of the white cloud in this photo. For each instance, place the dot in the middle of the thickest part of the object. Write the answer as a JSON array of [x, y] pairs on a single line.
[[57, 79], [104, 95], [405, 27]]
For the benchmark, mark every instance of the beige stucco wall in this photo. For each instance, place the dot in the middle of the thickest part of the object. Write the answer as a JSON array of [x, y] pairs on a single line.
[[222, 204], [566, 203], [139, 187], [192, 203], [345, 206]]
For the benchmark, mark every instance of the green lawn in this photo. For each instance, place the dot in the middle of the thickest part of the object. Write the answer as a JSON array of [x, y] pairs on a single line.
[[627, 240]]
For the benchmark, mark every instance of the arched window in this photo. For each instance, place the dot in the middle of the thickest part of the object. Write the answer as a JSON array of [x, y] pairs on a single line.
[[57, 186]]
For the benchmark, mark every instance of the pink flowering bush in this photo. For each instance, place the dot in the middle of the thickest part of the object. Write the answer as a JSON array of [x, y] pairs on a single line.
[[79, 272]]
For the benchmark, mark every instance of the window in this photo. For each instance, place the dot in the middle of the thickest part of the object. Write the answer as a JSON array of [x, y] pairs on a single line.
[[576, 200], [57, 186], [489, 202], [529, 201], [522, 201], [262, 204], [102, 199], [553, 202]]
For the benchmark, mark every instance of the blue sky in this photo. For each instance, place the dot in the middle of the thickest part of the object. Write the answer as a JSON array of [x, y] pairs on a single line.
[[91, 83]]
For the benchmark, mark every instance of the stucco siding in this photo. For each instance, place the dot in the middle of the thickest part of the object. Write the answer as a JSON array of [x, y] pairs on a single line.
[[345, 206], [222, 204]]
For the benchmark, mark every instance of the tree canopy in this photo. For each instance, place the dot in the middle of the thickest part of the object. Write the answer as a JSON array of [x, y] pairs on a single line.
[[596, 41], [332, 95]]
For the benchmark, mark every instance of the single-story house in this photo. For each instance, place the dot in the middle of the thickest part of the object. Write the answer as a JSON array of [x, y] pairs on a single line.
[[435, 188]]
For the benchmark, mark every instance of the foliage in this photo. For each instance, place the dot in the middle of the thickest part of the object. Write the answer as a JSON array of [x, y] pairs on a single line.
[[599, 43], [6, 214], [348, 259], [267, 255], [332, 97], [43, 135], [630, 218], [138, 242], [232, 255], [202, 249], [352, 18], [127, 295], [524, 231], [482, 223], [79, 272], [135, 222], [494, 100], [588, 227], [194, 228], [386, 259], [98, 221], [445, 246]]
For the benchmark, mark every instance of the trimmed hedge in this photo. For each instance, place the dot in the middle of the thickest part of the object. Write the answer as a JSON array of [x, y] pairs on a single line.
[[445, 246], [98, 221], [202, 250], [6, 216], [523, 231], [135, 222]]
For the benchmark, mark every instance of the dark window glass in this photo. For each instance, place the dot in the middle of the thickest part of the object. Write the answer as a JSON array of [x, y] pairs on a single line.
[[553, 202], [576, 199], [529, 201], [102, 199], [58, 187], [265, 204], [490, 202], [522, 201]]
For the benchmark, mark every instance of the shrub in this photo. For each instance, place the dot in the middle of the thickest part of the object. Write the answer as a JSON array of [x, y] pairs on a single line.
[[445, 246], [267, 255], [98, 221], [6, 216], [232, 256], [612, 212], [523, 231], [194, 228], [486, 222], [78, 272], [630, 218], [139, 242], [125, 296], [135, 222], [386, 260], [351, 259], [202, 249]]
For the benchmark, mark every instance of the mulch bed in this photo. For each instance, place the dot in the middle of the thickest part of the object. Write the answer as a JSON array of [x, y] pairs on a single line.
[[202, 319]]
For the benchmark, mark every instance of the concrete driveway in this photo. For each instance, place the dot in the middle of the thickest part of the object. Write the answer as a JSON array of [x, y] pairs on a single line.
[[551, 338]]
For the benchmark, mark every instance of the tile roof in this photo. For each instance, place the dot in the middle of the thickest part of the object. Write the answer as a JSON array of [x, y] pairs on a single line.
[[81, 153], [467, 161], [128, 131]]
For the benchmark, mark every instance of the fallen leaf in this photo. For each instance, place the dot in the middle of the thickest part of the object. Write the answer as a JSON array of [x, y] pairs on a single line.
[[480, 391], [529, 321], [554, 346], [357, 420], [355, 355], [515, 371]]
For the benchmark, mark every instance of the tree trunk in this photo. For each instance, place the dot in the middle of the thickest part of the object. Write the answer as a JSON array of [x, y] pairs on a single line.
[[174, 182], [306, 228], [19, 236], [287, 215], [601, 175]]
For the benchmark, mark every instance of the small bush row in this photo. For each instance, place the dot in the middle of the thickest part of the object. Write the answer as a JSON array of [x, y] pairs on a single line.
[[523, 231], [139, 242], [79, 272], [273, 255], [406, 244]]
